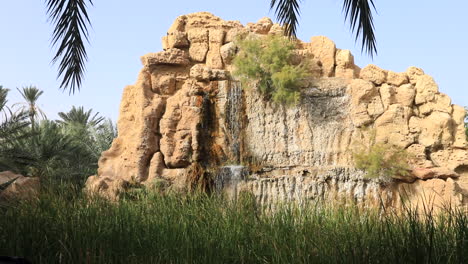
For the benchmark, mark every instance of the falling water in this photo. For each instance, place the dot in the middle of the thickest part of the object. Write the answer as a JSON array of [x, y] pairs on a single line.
[[228, 178], [234, 118]]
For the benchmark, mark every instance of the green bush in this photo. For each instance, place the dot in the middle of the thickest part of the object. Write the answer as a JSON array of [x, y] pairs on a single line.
[[381, 159], [268, 63]]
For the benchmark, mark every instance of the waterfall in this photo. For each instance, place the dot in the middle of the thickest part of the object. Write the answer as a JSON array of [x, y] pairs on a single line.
[[233, 112], [228, 178]]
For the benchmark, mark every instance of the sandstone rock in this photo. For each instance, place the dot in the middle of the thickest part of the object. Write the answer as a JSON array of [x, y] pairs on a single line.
[[22, 188], [213, 57], [8, 176], [107, 187], [185, 110], [324, 50], [234, 33], [198, 44], [397, 79], [276, 29], [167, 57], [451, 158], [156, 166], [430, 173], [373, 74], [138, 139], [228, 51], [458, 115], [163, 83], [179, 126], [178, 25], [365, 101], [263, 26], [441, 103], [177, 39], [413, 73], [387, 94], [433, 193], [417, 156], [426, 89], [434, 130], [344, 64], [205, 73], [392, 126], [405, 94]]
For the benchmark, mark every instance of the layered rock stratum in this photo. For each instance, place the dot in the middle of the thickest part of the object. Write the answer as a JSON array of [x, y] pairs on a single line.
[[187, 114]]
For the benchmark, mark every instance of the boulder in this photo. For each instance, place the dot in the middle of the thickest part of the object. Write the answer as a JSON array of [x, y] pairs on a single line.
[[263, 26], [177, 39], [431, 173], [366, 104], [435, 130], [344, 64], [168, 57], [392, 126], [373, 74], [413, 73], [18, 187], [426, 89], [323, 49], [397, 79], [405, 94], [198, 44]]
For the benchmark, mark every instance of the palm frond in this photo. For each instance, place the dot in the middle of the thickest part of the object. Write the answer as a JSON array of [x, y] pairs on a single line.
[[359, 13], [3, 97], [78, 116], [71, 21], [287, 12]]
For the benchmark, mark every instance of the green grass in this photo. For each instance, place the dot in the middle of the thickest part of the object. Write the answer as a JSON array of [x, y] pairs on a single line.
[[154, 228]]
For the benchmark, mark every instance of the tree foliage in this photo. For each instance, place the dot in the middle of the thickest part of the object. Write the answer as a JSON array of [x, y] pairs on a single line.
[[267, 62], [65, 151]]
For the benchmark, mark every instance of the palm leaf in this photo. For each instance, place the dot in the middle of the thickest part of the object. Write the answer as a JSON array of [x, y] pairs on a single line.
[[359, 13], [71, 21], [287, 12]]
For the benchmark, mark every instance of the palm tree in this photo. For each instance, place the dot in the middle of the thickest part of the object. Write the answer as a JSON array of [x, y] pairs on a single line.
[[31, 94], [78, 116], [12, 129], [3, 98], [70, 19]]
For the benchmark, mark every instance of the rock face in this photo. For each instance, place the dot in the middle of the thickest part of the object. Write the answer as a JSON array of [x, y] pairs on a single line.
[[186, 111], [18, 187]]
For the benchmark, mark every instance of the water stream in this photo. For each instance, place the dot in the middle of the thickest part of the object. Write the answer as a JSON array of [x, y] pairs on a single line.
[[228, 178], [234, 113]]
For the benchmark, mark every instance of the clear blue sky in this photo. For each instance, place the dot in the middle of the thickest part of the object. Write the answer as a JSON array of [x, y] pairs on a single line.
[[432, 35]]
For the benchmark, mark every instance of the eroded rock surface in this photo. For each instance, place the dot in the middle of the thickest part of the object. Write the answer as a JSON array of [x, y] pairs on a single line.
[[186, 111]]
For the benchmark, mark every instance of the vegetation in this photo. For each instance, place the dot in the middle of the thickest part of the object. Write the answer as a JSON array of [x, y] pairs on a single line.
[[201, 229], [267, 62], [62, 151], [381, 160]]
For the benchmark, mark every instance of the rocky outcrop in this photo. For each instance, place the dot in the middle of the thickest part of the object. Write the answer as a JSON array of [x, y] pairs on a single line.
[[187, 111], [18, 187]]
